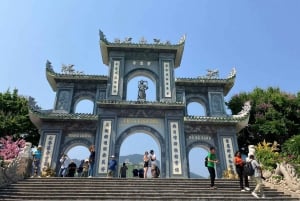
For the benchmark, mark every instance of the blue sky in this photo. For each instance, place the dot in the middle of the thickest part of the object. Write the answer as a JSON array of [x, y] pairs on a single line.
[[260, 38]]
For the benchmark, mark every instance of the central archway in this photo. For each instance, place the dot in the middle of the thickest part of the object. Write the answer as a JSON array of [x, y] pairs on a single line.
[[145, 132], [133, 149]]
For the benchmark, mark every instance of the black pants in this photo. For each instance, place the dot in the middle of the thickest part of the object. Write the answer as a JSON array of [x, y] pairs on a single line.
[[242, 176], [212, 175]]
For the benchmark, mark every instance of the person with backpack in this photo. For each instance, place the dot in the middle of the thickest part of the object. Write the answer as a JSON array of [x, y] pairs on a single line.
[[211, 161], [257, 177], [239, 167]]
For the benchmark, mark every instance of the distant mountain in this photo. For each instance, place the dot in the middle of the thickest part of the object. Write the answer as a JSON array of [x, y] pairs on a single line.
[[134, 159]]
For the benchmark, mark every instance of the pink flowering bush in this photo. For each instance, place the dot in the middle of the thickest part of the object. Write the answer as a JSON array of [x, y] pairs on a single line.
[[9, 148]]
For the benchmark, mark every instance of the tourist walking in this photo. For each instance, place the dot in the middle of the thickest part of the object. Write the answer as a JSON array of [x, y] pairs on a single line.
[[211, 161], [85, 168], [146, 163], [257, 178], [123, 171], [239, 166], [72, 169], [112, 165], [91, 160], [63, 166], [80, 168], [153, 164], [36, 165]]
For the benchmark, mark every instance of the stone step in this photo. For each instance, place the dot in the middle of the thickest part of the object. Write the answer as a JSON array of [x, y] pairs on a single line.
[[138, 198], [130, 189]]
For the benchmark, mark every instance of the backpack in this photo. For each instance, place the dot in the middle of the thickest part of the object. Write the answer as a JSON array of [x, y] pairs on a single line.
[[157, 171], [248, 169], [206, 161]]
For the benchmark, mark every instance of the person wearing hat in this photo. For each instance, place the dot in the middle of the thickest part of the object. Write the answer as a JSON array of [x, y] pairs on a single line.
[[111, 166], [85, 169], [37, 155]]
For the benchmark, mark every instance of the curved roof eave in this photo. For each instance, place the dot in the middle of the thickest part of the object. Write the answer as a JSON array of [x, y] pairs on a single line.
[[240, 120], [35, 119], [53, 78], [37, 116]]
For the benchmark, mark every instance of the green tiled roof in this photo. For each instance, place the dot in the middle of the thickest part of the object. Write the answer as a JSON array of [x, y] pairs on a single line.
[[50, 114]]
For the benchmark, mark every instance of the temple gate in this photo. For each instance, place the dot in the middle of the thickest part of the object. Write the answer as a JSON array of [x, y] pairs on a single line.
[[114, 117]]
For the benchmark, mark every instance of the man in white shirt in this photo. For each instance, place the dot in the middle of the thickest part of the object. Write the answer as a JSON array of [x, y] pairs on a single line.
[[257, 177], [153, 164], [63, 166]]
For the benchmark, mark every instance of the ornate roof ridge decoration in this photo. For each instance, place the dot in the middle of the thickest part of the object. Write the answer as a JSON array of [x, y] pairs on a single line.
[[242, 118], [231, 76], [49, 69], [53, 76], [212, 79], [141, 44]]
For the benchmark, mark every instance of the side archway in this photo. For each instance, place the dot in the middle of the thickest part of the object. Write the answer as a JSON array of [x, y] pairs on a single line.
[[65, 148], [198, 151]]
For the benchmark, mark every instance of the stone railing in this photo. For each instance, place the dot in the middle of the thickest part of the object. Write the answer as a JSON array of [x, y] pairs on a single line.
[[15, 170], [18, 168], [284, 179]]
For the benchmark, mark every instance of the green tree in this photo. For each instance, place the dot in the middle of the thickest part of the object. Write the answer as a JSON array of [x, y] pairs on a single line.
[[291, 148], [14, 117], [274, 116]]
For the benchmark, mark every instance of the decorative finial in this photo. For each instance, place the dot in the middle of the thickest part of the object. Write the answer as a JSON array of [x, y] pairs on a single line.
[[117, 40], [143, 40], [69, 69], [182, 39], [127, 40], [212, 73], [156, 40], [102, 36], [49, 66], [232, 73]]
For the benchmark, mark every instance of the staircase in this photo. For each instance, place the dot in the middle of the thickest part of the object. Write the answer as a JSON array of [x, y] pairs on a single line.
[[130, 189]]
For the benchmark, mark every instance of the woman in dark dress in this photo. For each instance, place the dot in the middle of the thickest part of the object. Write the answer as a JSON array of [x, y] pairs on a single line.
[[146, 163]]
